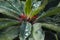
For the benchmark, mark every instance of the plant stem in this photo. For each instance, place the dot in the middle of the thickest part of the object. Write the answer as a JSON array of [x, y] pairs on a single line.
[[56, 36]]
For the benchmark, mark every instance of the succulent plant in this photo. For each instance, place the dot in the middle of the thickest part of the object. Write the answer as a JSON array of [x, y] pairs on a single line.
[[22, 20]]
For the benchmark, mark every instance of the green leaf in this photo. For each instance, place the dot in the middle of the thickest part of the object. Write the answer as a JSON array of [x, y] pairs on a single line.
[[16, 4], [8, 6], [8, 13], [38, 33], [31, 38], [25, 30], [11, 8], [22, 3], [27, 7], [54, 11], [9, 33], [6, 20], [8, 24], [51, 26], [39, 9]]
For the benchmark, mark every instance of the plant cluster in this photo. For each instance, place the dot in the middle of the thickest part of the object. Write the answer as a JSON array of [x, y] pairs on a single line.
[[22, 20]]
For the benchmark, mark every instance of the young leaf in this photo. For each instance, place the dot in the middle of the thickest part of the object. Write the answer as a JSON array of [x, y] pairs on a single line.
[[27, 8], [38, 33], [39, 9]]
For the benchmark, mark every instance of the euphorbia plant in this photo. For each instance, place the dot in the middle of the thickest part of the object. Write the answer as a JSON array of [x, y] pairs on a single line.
[[24, 24]]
